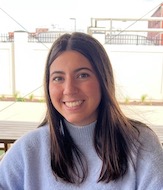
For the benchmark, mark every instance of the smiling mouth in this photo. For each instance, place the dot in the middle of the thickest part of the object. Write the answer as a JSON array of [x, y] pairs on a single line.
[[73, 104]]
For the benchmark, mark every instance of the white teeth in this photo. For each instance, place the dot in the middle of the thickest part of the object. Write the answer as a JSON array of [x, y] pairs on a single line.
[[73, 104]]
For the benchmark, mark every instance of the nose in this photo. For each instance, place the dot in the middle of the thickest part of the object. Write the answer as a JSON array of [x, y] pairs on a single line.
[[70, 87]]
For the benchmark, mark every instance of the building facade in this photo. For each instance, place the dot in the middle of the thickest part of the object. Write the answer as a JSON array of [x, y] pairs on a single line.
[[156, 36]]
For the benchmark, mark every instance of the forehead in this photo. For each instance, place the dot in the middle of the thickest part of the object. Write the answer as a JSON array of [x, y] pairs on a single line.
[[71, 59]]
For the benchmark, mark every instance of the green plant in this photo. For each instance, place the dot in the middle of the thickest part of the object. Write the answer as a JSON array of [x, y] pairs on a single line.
[[1, 152], [143, 98], [2, 97], [127, 99], [20, 99], [31, 97], [16, 95], [41, 100]]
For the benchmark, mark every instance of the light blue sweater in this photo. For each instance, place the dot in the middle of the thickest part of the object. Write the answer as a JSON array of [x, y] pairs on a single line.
[[26, 166]]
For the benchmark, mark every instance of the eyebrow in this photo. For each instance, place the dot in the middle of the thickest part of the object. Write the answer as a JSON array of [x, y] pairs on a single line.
[[77, 70]]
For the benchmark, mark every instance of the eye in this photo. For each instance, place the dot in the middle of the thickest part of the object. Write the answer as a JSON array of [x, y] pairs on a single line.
[[83, 75], [58, 79]]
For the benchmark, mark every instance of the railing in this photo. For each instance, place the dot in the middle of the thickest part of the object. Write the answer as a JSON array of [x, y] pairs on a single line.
[[120, 30], [119, 39], [44, 37], [6, 38], [129, 39]]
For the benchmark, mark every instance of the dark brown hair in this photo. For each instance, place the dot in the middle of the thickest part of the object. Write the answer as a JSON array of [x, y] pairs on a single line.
[[114, 135]]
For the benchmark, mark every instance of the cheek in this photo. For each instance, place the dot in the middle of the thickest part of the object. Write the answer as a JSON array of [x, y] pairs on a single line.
[[94, 91], [94, 87], [54, 93]]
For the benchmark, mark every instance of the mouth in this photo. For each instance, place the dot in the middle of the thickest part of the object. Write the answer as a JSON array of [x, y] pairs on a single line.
[[74, 103]]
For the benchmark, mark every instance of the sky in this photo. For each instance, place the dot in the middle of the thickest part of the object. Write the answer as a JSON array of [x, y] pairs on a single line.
[[29, 15]]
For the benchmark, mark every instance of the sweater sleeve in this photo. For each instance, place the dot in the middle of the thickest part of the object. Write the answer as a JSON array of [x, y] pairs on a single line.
[[149, 166], [11, 169], [26, 162]]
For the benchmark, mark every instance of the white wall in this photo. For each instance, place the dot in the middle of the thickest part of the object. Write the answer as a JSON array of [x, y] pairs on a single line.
[[5, 68], [23, 72], [138, 69]]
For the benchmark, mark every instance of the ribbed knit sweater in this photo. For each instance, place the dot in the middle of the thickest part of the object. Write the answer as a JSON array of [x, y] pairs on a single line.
[[26, 165]]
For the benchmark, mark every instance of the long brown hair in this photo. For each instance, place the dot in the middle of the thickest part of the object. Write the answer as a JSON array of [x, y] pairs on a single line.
[[114, 135]]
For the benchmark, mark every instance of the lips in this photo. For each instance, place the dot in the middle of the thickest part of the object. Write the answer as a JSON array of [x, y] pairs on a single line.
[[73, 103]]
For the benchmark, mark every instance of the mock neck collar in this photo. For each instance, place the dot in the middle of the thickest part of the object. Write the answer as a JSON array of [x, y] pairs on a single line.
[[81, 134], [70, 125]]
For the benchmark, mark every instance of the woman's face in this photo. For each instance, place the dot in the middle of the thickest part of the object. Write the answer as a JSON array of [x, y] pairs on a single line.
[[74, 88]]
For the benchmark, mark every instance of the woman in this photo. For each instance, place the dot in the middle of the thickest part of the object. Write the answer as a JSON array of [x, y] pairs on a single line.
[[85, 141]]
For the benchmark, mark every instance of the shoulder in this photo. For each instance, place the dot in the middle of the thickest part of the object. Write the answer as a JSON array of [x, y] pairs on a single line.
[[24, 155], [147, 136], [35, 135], [149, 147], [29, 147], [30, 144], [149, 159], [39, 137]]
